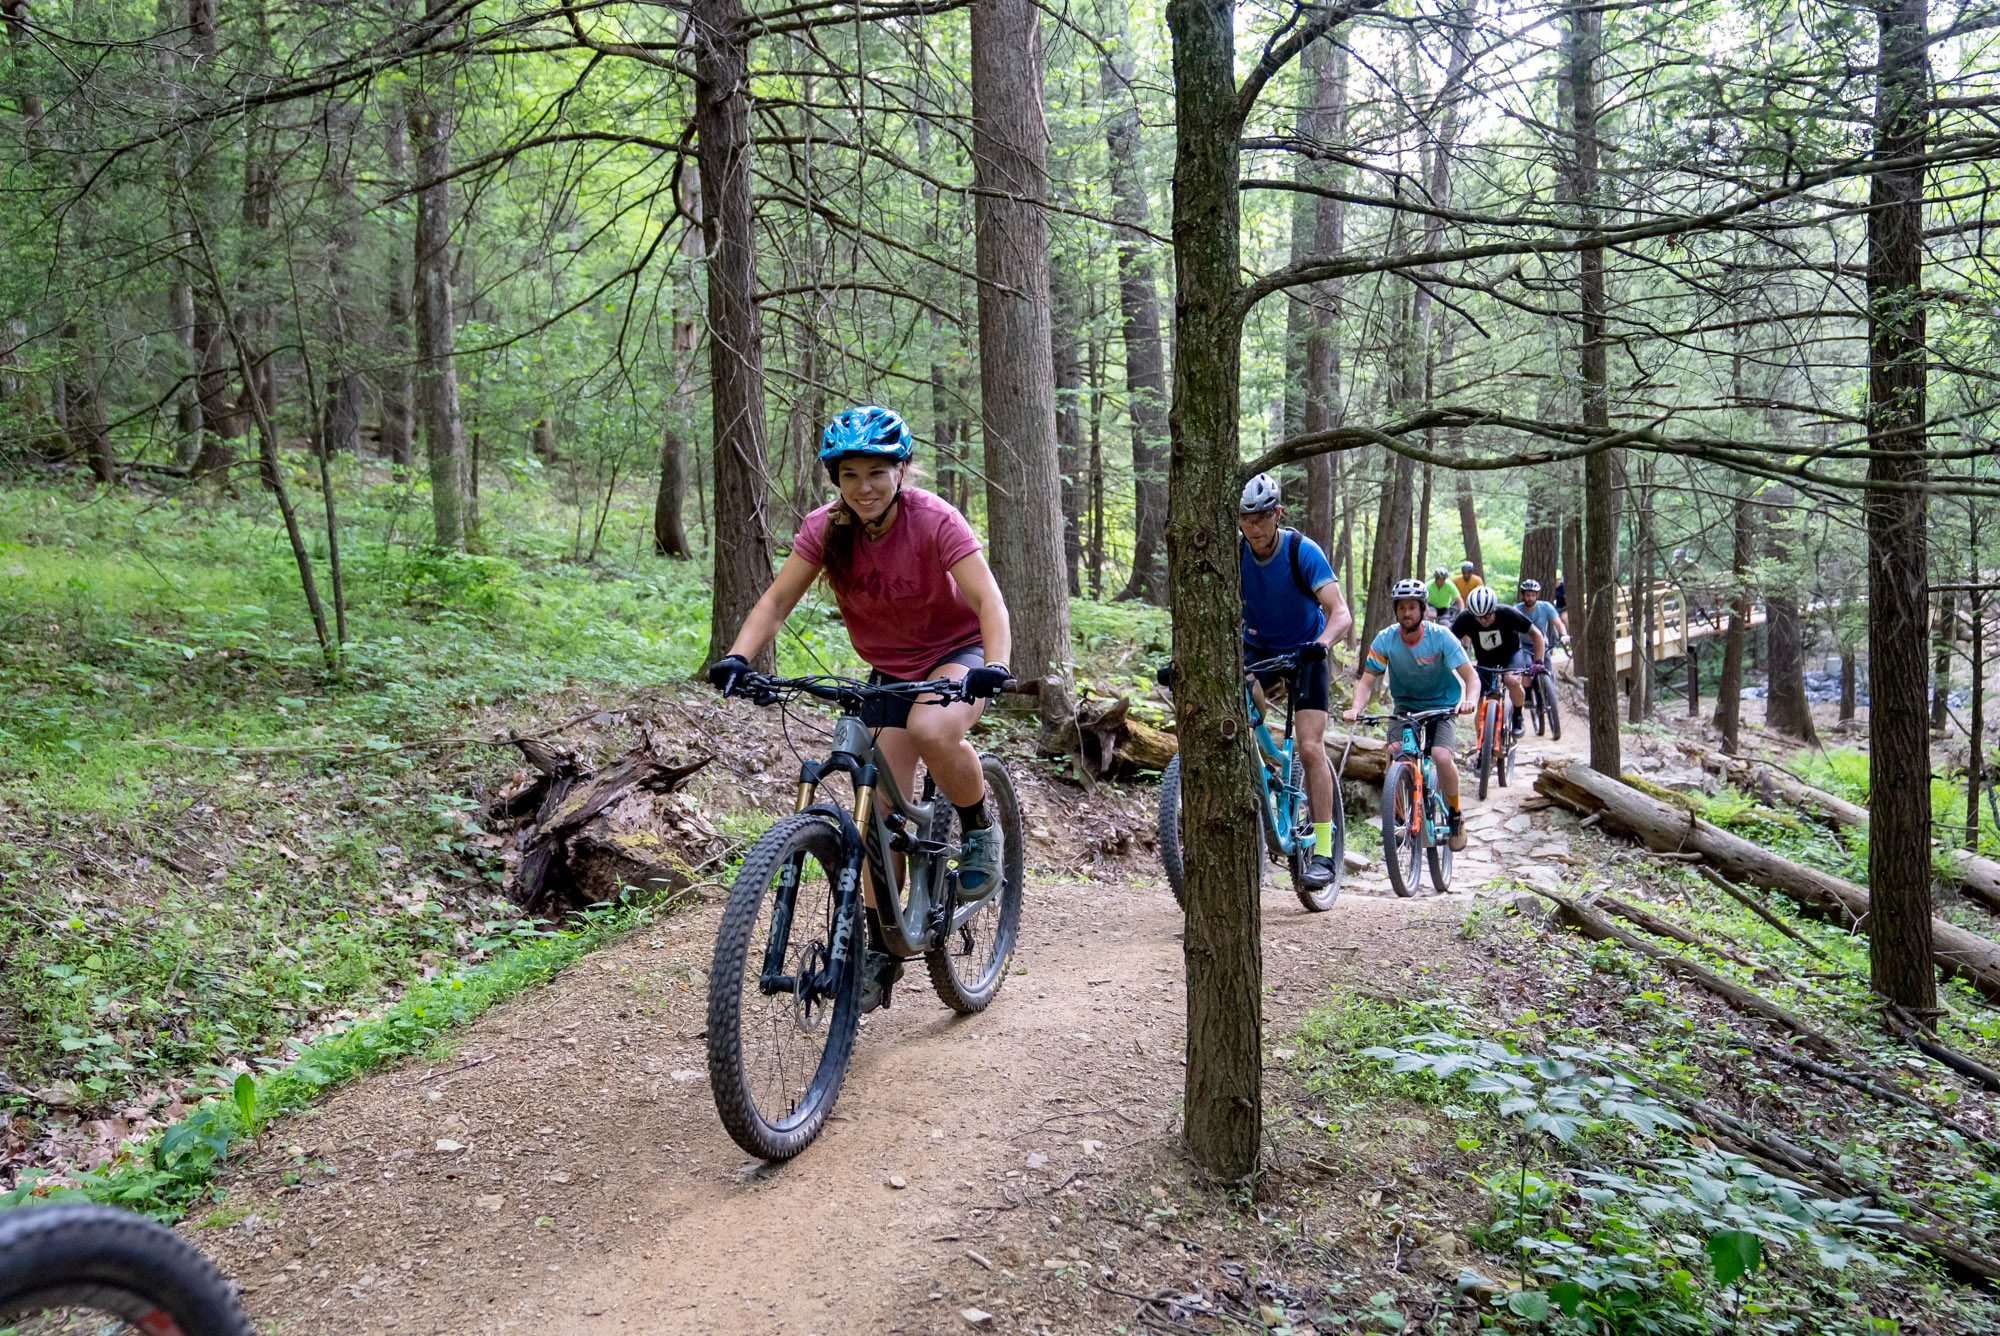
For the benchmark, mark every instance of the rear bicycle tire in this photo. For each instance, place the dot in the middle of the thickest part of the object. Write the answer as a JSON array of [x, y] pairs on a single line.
[[967, 980], [77, 1256], [1489, 740], [1535, 705], [1319, 900], [776, 1114], [1169, 826], [1399, 847], [1555, 715]]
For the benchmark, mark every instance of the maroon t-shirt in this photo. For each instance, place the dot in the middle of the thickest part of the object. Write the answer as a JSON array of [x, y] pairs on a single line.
[[902, 608]]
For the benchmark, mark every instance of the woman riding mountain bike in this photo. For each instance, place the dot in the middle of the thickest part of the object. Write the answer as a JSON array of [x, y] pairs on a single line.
[[919, 603]]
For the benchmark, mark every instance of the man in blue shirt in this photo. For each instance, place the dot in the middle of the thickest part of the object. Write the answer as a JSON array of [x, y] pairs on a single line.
[[1427, 670], [1292, 604]]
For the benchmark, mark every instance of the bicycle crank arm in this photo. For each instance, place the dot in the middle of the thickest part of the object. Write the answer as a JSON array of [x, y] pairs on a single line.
[[967, 908]]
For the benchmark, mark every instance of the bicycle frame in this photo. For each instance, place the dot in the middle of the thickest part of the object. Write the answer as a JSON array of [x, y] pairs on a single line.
[[1283, 816], [909, 923], [1422, 828]]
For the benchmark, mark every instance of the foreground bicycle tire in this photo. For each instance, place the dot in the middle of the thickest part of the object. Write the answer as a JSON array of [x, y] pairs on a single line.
[[967, 980], [1489, 745], [1319, 900], [774, 1096], [1173, 857], [1399, 847], [1548, 687], [108, 1262]]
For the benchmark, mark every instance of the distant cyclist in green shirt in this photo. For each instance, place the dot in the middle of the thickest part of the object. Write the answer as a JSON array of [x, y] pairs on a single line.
[[1442, 595]]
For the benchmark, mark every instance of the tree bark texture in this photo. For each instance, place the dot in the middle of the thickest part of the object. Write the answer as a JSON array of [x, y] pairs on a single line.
[[1139, 309], [1899, 765], [428, 110], [1069, 420], [1328, 125], [669, 532], [398, 382], [741, 533], [1729, 686], [1222, 943], [1600, 502], [1016, 361], [1786, 708]]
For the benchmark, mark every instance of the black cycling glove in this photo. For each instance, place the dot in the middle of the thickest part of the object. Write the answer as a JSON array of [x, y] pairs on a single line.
[[722, 674], [1165, 677], [987, 681], [1311, 652]]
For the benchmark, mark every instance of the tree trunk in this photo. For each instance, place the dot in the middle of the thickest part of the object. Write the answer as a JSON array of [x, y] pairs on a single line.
[[398, 383], [1138, 304], [1941, 636], [1847, 684], [740, 534], [1541, 539], [1323, 409], [1016, 361], [1640, 603], [1600, 501], [428, 110], [1729, 686], [1390, 556], [669, 534], [1786, 708], [1899, 758], [1468, 520], [84, 407], [1975, 748], [341, 428], [1222, 944], [1069, 421]]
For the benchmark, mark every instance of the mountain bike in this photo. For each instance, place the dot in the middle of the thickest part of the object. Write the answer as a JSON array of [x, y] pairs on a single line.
[[1415, 820], [1540, 685], [785, 989], [1283, 810], [77, 1268], [1496, 732]]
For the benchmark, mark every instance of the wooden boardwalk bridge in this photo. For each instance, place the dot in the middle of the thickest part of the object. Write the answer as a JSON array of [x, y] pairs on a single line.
[[1681, 621]]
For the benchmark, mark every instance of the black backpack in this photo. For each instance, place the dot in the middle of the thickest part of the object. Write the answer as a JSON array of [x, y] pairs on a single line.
[[1290, 538]]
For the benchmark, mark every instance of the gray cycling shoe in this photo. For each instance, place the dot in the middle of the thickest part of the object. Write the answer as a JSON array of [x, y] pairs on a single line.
[[979, 862], [1318, 871]]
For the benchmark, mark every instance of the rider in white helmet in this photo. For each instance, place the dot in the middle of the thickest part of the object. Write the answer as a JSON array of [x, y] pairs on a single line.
[[1292, 605], [1420, 659], [1493, 633]]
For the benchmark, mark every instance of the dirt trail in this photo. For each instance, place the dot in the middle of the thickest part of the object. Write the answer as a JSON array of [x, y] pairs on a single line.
[[565, 1170]]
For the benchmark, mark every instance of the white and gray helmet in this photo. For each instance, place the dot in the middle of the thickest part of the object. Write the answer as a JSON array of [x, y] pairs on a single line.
[[1481, 602], [1407, 589], [1259, 494]]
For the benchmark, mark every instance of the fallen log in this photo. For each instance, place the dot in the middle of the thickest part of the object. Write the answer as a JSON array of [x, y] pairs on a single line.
[[1114, 745], [1358, 757], [1601, 929], [1665, 828], [1978, 878], [595, 834]]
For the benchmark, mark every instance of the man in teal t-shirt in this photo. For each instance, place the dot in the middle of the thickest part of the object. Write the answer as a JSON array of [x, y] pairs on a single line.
[[1427, 670]]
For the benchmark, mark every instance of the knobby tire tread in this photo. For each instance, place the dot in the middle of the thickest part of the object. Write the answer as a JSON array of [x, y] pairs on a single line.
[[1006, 811], [74, 1254], [733, 1100], [1405, 870]]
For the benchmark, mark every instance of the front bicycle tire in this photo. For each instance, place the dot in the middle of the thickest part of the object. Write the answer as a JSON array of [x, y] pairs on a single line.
[[1399, 846], [1170, 832], [1320, 899], [1555, 715], [776, 1058], [969, 967], [66, 1267], [1535, 706], [1489, 747]]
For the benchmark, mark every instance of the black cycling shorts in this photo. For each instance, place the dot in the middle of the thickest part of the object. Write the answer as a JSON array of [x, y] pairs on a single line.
[[1315, 681], [894, 711]]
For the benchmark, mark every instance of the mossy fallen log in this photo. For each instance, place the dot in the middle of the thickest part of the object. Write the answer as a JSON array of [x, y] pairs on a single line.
[[1665, 828]]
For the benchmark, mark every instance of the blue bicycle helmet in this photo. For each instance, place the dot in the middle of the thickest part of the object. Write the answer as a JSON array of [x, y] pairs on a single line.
[[865, 430]]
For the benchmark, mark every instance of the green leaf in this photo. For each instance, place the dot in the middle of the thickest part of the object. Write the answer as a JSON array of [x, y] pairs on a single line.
[[1567, 1295], [1530, 1304], [245, 1095], [1735, 1252]]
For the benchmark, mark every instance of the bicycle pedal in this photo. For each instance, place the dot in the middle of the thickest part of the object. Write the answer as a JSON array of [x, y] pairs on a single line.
[[883, 971]]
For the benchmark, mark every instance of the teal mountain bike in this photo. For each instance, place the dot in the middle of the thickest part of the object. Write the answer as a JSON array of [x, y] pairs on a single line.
[[1281, 782], [829, 903], [1414, 817]]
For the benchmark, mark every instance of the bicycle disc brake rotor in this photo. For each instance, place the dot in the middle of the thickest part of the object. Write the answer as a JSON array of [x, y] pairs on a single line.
[[812, 990]]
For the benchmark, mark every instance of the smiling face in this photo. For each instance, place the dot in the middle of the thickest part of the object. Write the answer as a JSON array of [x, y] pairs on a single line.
[[868, 484], [1260, 530]]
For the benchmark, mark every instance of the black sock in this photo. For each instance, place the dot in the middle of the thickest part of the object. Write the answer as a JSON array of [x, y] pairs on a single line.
[[974, 817]]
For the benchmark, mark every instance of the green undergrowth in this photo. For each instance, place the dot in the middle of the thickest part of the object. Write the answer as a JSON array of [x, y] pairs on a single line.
[[186, 1164], [1534, 1123]]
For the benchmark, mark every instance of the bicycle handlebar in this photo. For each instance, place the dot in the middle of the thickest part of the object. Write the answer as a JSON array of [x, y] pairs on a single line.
[[1413, 717], [1283, 663], [762, 689]]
